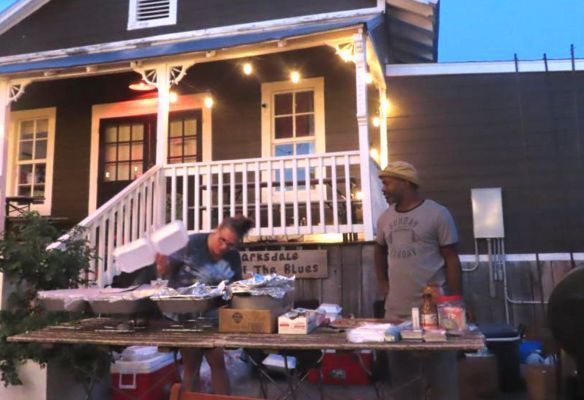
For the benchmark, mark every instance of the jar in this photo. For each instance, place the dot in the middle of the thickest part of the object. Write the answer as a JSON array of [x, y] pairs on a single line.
[[451, 313]]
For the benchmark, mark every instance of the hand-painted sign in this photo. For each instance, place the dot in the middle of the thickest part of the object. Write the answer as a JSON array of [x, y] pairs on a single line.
[[301, 263]]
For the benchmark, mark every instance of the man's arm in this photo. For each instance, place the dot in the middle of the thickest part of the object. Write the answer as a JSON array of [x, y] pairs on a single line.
[[453, 269], [380, 259]]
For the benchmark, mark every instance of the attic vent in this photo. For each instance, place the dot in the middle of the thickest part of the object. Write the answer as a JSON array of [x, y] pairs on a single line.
[[151, 13]]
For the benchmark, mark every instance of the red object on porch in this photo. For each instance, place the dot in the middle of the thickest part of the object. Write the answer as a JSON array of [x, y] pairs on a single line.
[[148, 379], [176, 395], [344, 368]]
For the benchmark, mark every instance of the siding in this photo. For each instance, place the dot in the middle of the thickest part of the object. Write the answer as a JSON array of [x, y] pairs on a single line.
[[67, 23], [519, 132], [236, 114]]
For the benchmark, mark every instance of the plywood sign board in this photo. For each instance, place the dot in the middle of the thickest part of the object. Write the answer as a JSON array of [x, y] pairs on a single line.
[[300, 263]]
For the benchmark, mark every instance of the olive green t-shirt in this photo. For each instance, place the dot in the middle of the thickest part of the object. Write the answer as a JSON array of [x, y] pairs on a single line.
[[413, 239]]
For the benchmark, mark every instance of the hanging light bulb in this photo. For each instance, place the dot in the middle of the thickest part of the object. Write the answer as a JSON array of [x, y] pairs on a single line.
[[386, 105], [247, 68], [209, 102], [173, 96], [295, 76], [368, 78], [376, 122]]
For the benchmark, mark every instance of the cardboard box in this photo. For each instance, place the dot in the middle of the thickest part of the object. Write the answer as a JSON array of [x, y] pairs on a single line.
[[478, 378], [241, 320], [299, 324]]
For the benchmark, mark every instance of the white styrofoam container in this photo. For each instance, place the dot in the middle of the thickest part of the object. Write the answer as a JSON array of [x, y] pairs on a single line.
[[139, 353], [134, 255], [170, 238], [146, 366]]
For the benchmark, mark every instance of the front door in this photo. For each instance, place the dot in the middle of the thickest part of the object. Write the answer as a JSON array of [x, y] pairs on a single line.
[[128, 148]]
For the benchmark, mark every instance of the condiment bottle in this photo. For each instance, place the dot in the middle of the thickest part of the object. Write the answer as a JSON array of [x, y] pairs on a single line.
[[428, 312]]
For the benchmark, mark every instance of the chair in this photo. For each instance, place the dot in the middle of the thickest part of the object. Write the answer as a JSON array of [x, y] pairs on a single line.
[[175, 394]]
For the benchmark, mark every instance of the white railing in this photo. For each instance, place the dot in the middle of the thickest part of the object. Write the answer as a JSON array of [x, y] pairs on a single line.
[[127, 216], [304, 195], [284, 195]]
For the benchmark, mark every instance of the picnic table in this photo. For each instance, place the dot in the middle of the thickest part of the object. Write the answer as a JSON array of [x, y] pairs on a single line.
[[157, 333]]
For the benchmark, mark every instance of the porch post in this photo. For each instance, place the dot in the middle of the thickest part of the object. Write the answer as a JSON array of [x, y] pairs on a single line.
[[359, 42], [4, 125], [383, 135], [163, 86]]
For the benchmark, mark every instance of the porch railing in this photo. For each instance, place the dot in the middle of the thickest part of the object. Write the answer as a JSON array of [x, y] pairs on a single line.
[[286, 196], [302, 195]]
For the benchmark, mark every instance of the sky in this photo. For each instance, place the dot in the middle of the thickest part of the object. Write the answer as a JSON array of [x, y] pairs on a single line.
[[489, 30]]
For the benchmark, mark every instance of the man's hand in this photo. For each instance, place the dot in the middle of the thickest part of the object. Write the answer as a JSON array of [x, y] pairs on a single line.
[[162, 265]]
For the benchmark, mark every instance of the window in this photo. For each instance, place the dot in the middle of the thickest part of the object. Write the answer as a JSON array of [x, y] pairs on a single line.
[[31, 156], [293, 121], [124, 151], [183, 138], [151, 13]]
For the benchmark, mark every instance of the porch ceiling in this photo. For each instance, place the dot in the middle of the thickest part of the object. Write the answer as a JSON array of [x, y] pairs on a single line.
[[413, 30], [186, 47]]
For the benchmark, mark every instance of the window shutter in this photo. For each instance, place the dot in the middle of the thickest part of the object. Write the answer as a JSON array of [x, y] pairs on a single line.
[[148, 10]]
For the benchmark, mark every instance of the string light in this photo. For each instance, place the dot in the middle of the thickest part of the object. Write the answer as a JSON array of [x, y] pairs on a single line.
[[376, 122], [385, 105], [209, 102], [295, 76], [247, 68], [173, 97], [374, 154], [368, 78]]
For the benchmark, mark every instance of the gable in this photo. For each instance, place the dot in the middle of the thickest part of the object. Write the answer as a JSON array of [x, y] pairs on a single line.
[[61, 24]]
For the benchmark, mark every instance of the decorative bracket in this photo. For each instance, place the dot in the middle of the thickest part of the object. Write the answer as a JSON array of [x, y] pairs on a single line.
[[16, 90], [175, 72]]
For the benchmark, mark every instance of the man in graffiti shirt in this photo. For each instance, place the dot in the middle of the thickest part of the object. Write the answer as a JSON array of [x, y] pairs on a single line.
[[416, 245], [207, 258]]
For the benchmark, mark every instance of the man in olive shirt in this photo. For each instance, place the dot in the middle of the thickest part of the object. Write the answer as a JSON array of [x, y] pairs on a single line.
[[416, 245]]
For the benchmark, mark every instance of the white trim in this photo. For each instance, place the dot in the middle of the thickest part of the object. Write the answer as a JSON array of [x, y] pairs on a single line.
[[268, 91], [554, 257], [270, 88], [133, 22], [17, 12], [471, 258], [11, 173], [142, 107], [487, 67], [578, 256], [207, 33]]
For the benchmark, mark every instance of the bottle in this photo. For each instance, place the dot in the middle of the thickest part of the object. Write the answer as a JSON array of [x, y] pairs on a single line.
[[428, 312]]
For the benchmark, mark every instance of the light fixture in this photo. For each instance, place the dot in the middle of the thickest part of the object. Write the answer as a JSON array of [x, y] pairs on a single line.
[[173, 96], [368, 78], [359, 195], [295, 76], [374, 154], [141, 86], [376, 122], [209, 102], [386, 105], [247, 68]]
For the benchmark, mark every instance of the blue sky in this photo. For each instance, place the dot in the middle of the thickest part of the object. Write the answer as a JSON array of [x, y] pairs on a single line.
[[477, 30]]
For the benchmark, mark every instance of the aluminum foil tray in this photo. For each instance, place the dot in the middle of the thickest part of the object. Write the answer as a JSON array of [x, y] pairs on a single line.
[[186, 304]]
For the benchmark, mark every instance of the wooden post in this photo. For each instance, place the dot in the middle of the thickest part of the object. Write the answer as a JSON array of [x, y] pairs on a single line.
[[162, 117], [4, 126], [359, 42], [383, 135]]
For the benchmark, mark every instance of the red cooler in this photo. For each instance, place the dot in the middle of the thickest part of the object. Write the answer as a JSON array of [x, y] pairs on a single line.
[[144, 379], [344, 368]]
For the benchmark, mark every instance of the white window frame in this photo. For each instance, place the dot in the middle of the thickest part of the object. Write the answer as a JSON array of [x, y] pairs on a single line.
[[269, 89], [16, 117], [133, 22]]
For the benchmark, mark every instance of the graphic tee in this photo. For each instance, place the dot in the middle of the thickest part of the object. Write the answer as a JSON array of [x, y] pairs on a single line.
[[413, 239], [194, 263]]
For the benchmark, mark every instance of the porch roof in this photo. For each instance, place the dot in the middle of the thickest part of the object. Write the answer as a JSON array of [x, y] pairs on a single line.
[[191, 46]]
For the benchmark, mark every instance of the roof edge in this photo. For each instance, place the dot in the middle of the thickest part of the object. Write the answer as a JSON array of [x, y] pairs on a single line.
[[483, 67], [18, 12]]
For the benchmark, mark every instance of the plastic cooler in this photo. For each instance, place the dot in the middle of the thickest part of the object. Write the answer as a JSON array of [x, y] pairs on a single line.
[[503, 341], [344, 368], [143, 379]]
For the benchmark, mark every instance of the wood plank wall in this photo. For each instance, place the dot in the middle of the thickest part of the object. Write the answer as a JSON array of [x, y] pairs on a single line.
[[352, 284]]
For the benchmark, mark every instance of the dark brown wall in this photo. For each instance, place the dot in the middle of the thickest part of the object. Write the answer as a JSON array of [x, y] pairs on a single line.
[[236, 121], [69, 23], [523, 133]]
